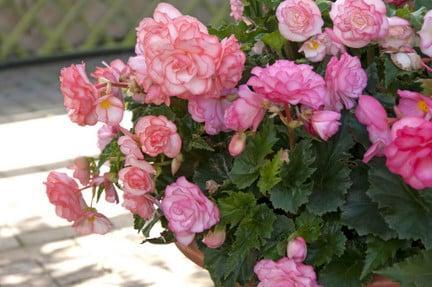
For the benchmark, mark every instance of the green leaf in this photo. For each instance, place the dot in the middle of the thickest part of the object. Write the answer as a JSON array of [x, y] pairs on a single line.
[[426, 86], [391, 72], [406, 210], [216, 167], [344, 271], [275, 248], [413, 272], [246, 168], [308, 226], [296, 186], [270, 173], [423, 3], [373, 78], [236, 207], [417, 17], [274, 40], [331, 242], [200, 143], [379, 253], [360, 212]]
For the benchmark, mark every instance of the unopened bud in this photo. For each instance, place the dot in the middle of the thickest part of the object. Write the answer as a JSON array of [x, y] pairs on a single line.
[[215, 239], [176, 164], [237, 144], [407, 61], [297, 249], [212, 186], [284, 155]]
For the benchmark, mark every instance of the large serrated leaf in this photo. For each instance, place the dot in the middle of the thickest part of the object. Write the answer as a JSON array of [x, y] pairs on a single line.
[[270, 173]]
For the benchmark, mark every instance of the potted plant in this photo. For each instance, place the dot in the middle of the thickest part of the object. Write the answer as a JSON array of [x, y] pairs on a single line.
[[292, 147]]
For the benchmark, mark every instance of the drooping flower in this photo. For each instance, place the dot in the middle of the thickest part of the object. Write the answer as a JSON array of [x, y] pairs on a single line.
[[413, 104], [346, 80], [325, 123], [158, 135], [81, 169], [358, 22], [286, 82], [110, 109], [105, 135], [79, 95], [426, 35], [188, 210], [209, 111], [92, 222], [237, 144], [400, 35], [64, 194], [410, 152], [237, 9], [297, 249], [215, 239], [142, 205], [299, 19]]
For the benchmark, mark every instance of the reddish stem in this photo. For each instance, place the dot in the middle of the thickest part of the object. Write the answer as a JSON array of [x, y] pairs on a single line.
[[291, 132]]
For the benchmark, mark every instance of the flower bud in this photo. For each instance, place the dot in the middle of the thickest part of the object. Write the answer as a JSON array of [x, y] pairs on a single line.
[[297, 249], [258, 48], [215, 239], [407, 61], [176, 164], [237, 144], [212, 186], [284, 156]]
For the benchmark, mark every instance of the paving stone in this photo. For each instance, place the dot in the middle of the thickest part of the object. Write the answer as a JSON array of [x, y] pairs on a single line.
[[7, 238]]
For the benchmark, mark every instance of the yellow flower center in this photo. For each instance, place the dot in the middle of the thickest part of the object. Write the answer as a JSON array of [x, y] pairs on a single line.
[[91, 219], [106, 104], [423, 106], [313, 44]]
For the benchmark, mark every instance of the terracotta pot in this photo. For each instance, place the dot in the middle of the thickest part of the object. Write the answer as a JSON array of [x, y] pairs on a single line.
[[195, 255]]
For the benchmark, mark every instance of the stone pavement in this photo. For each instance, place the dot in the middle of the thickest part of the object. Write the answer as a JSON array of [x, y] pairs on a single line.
[[36, 247]]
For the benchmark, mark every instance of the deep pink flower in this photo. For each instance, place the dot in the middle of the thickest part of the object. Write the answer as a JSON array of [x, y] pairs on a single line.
[[138, 179], [285, 272], [297, 249], [246, 112], [397, 3], [358, 22], [346, 80], [109, 109], [237, 9], [129, 147], [64, 194], [325, 123], [79, 95], [209, 111], [81, 169], [285, 82], [299, 19], [105, 135], [410, 152], [401, 35], [214, 239], [237, 144], [142, 205], [412, 104], [188, 210], [158, 135], [426, 35], [92, 222]]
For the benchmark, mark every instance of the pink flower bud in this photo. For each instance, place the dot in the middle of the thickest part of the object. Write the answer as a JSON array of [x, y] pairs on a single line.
[[212, 186], [237, 144], [215, 239], [297, 249], [176, 164]]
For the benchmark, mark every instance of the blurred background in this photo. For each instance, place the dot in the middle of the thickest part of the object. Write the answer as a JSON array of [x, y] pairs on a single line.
[[37, 38]]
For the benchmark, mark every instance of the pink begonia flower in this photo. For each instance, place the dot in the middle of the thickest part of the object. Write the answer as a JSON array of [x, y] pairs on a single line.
[[129, 147], [115, 72], [372, 114], [180, 55], [92, 222], [358, 22], [285, 272], [158, 135], [397, 3], [142, 205], [237, 9], [334, 45], [138, 178], [426, 35], [315, 49], [64, 194], [209, 111], [346, 80], [214, 239], [286, 82], [400, 35], [297, 249], [105, 182], [105, 135], [110, 109], [410, 152], [237, 144], [299, 19], [246, 112], [413, 104], [187, 210], [79, 95], [81, 168], [325, 123], [408, 61]]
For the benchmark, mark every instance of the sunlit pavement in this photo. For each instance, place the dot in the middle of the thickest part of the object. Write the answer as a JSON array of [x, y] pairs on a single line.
[[39, 249]]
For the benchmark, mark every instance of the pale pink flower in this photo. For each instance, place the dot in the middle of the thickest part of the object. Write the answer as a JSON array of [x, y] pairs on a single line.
[[325, 123], [410, 152], [334, 44], [299, 19], [237, 9], [408, 61], [109, 109], [285, 272], [297, 249], [426, 35], [246, 112], [92, 222], [315, 49], [358, 22], [237, 144], [105, 135], [209, 111], [64, 194], [142, 205], [137, 181], [115, 72], [400, 35], [111, 195], [187, 210], [81, 169], [79, 95], [346, 80], [214, 239], [286, 82], [130, 147], [158, 135], [413, 104]]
